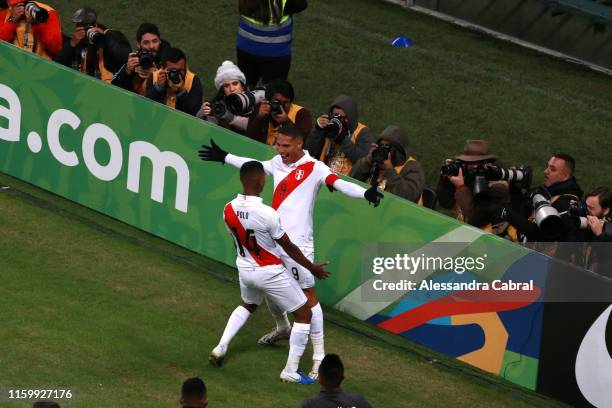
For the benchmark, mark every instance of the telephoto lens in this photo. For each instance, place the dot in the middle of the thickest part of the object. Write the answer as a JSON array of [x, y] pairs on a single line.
[[95, 38], [40, 15], [245, 102]]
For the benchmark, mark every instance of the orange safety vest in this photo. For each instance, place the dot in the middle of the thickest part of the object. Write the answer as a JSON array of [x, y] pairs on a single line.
[[382, 183], [292, 114], [338, 162], [170, 93], [24, 37]]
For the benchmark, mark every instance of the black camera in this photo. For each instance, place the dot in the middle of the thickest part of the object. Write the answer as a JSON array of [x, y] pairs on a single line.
[[145, 58], [243, 103], [94, 38], [381, 153], [174, 75], [547, 217], [276, 107], [577, 215], [219, 109], [39, 14], [334, 124], [452, 168]]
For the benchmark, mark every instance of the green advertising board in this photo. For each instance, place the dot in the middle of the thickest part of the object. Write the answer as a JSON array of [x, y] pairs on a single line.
[[136, 161]]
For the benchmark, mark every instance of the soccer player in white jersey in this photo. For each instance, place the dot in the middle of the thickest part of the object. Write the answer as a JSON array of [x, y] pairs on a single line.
[[297, 180], [256, 229]]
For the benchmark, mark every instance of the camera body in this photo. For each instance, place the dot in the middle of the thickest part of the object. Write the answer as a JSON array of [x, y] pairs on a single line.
[[174, 75], [94, 38], [39, 14], [334, 124], [381, 153], [276, 107], [145, 58], [577, 215], [219, 108]]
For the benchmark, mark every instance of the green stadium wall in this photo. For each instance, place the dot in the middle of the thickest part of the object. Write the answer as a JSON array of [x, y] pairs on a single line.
[[136, 161]]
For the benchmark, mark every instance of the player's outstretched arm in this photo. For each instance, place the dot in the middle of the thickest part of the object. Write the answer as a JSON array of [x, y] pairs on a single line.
[[353, 190], [215, 153], [297, 255]]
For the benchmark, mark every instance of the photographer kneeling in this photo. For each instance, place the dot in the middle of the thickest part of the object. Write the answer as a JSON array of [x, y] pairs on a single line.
[[391, 166], [228, 81], [133, 75], [174, 84], [94, 49], [338, 138]]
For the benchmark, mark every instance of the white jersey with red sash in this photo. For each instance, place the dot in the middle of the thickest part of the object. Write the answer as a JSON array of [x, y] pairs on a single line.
[[296, 187], [255, 227]]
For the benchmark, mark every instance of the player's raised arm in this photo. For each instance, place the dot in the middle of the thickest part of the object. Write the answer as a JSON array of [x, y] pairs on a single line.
[[297, 255], [373, 196], [215, 153]]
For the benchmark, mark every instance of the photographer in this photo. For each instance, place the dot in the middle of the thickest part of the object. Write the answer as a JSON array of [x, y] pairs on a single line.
[[32, 26], [544, 217], [133, 75], [277, 108], [264, 38], [338, 138], [229, 80], [174, 84], [94, 49], [594, 216], [390, 165]]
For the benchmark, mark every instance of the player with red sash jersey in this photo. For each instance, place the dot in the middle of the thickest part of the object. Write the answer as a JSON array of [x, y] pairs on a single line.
[[257, 230], [298, 177]]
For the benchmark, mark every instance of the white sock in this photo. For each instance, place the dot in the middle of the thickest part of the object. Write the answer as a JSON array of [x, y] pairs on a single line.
[[280, 317], [297, 345], [237, 319], [316, 335]]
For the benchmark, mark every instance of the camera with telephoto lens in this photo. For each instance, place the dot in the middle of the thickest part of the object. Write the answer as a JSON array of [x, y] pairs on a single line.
[[94, 38], [520, 176], [381, 153], [334, 124], [577, 215], [474, 177], [174, 75], [39, 14], [145, 58], [547, 217], [243, 103], [276, 107]]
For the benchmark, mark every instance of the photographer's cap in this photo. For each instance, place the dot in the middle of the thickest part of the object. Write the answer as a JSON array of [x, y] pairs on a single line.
[[85, 16], [476, 150]]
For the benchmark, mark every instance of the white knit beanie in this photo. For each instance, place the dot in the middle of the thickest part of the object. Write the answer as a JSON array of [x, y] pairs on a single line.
[[226, 72]]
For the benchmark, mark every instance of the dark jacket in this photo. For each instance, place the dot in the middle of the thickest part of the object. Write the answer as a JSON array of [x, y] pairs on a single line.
[[354, 152], [409, 181], [188, 102], [130, 81], [561, 194], [334, 399], [116, 49]]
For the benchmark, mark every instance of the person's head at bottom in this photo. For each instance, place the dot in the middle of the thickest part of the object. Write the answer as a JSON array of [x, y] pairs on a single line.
[[193, 393], [331, 372], [253, 178], [45, 404]]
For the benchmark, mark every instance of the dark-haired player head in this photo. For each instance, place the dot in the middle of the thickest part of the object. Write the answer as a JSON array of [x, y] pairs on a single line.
[[331, 372], [289, 143], [193, 393], [253, 178]]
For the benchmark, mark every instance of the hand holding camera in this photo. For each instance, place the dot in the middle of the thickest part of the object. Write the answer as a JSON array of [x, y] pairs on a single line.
[[175, 79], [380, 155], [77, 36], [595, 224]]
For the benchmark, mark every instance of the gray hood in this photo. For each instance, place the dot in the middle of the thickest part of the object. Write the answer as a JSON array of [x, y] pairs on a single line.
[[349, 106]]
